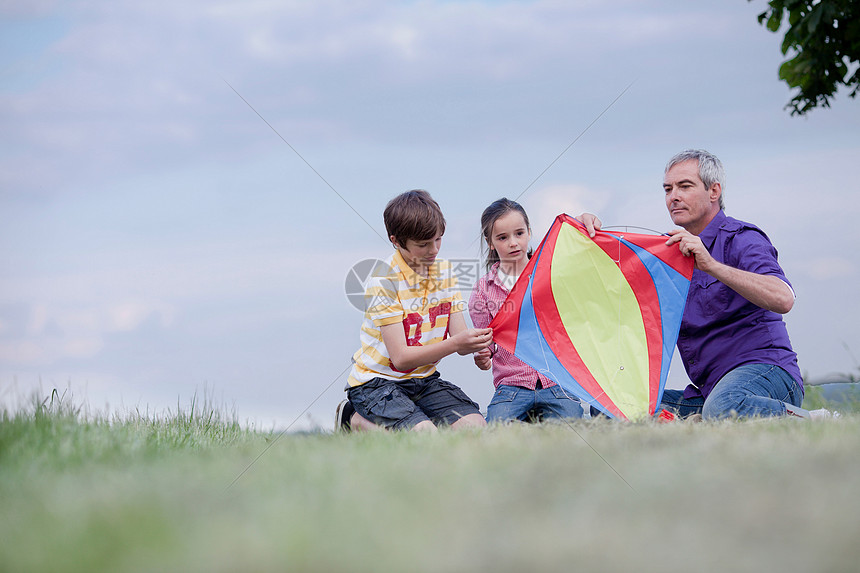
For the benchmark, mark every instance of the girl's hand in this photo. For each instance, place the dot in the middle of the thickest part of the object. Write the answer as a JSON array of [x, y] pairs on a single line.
[[483, 359]]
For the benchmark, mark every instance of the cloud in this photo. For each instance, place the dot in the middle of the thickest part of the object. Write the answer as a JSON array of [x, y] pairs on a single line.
[[43, 351], [151, 213], [28, 8], [133, 86], [16, 352], [128, 316], [830, 268], [550, 201], [54, 331]]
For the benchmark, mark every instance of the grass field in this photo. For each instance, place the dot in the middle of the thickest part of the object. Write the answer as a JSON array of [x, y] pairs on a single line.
[[194, 491]]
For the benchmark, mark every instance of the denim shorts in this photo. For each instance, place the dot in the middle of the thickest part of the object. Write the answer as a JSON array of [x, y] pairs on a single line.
[[402, 404]]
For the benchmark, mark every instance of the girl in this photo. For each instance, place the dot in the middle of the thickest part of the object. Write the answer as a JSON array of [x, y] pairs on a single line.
[[522, 393]]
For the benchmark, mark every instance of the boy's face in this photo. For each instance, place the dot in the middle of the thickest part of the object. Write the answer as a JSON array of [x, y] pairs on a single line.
[[419, 255]]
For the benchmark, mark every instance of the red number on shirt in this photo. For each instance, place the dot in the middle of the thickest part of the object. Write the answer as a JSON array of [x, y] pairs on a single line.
[[443, 309], [413, 319]]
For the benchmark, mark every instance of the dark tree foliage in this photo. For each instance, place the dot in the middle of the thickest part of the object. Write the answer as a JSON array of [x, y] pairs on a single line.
[[824, 40]]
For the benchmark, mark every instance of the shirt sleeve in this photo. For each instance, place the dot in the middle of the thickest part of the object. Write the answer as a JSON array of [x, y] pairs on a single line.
[[752, 251], [478, 307], [453, 290], [457, 302]]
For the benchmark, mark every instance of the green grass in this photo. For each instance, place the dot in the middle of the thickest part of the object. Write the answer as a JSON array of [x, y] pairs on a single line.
[[160, 493], [849, 400]]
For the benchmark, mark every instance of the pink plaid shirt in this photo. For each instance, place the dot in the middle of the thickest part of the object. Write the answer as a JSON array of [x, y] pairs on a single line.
[[486, 300]]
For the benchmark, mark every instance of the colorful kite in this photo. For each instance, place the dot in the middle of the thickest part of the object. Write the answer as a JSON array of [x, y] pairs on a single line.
[[599, 316]]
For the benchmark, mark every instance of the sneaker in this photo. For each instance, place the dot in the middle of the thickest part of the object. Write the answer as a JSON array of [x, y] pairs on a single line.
[[342, 415], [796, 412], [822, 414], [665, 416], [819, 414]]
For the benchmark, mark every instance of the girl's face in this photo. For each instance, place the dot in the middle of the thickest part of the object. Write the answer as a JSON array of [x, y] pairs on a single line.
[[510, 237]]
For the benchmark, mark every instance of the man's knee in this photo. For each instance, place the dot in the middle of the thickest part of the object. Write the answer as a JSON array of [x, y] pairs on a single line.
[[725, 402], [727, 406], [750, 390]]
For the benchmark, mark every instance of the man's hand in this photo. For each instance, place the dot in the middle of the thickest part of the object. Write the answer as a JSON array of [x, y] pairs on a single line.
[[472, 340], [591, 222], [691, 245], [483, 359]]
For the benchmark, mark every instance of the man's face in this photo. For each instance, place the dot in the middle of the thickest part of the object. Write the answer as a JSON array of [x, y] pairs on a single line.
[[690, 204]]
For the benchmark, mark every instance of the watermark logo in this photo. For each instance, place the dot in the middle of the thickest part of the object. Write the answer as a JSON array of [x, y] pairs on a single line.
[[359, 278], [361, 274]]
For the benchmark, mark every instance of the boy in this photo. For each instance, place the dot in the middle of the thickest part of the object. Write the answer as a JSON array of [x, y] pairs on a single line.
[[414, 318]]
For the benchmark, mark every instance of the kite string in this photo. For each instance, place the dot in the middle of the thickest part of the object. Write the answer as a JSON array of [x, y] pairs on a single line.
[[618, 348]]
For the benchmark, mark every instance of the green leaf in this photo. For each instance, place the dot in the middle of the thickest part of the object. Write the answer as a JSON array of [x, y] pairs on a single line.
[[794, 17], [814, 18], [774, 21], [822, 45]]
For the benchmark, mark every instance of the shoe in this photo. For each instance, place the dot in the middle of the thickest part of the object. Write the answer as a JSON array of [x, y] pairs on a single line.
[[796, 412], [822, 414], [819, 414], [342, 415]]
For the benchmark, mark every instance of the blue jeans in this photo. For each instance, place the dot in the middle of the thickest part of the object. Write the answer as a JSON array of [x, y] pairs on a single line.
[[748, 390], [515, 403]]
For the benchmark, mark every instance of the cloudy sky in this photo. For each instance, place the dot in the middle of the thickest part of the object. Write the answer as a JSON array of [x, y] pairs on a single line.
[[159, 239]]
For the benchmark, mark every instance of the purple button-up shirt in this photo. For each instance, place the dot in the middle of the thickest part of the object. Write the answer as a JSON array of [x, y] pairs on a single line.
[[722, 330]]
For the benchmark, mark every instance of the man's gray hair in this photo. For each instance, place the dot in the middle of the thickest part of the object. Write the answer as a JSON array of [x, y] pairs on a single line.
[[710, 168]]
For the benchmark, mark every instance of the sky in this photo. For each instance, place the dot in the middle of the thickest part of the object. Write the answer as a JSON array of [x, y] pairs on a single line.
[[185, 186]]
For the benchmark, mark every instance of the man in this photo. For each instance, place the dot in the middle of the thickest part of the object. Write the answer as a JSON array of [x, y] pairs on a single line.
[[733, 341]]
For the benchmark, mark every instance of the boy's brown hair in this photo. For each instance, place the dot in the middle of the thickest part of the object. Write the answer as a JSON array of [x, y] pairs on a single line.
[[413, 215]]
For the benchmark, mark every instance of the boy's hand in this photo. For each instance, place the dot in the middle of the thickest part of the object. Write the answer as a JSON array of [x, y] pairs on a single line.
[[483, 359], [473, 340]]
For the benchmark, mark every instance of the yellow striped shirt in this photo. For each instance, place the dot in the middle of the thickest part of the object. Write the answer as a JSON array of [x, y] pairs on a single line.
[[396, 293]]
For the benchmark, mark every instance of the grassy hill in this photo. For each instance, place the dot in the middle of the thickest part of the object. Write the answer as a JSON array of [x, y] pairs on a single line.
[[196, 492]]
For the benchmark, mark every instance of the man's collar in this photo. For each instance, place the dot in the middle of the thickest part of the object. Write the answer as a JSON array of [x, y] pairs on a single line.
[[710, 233]]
